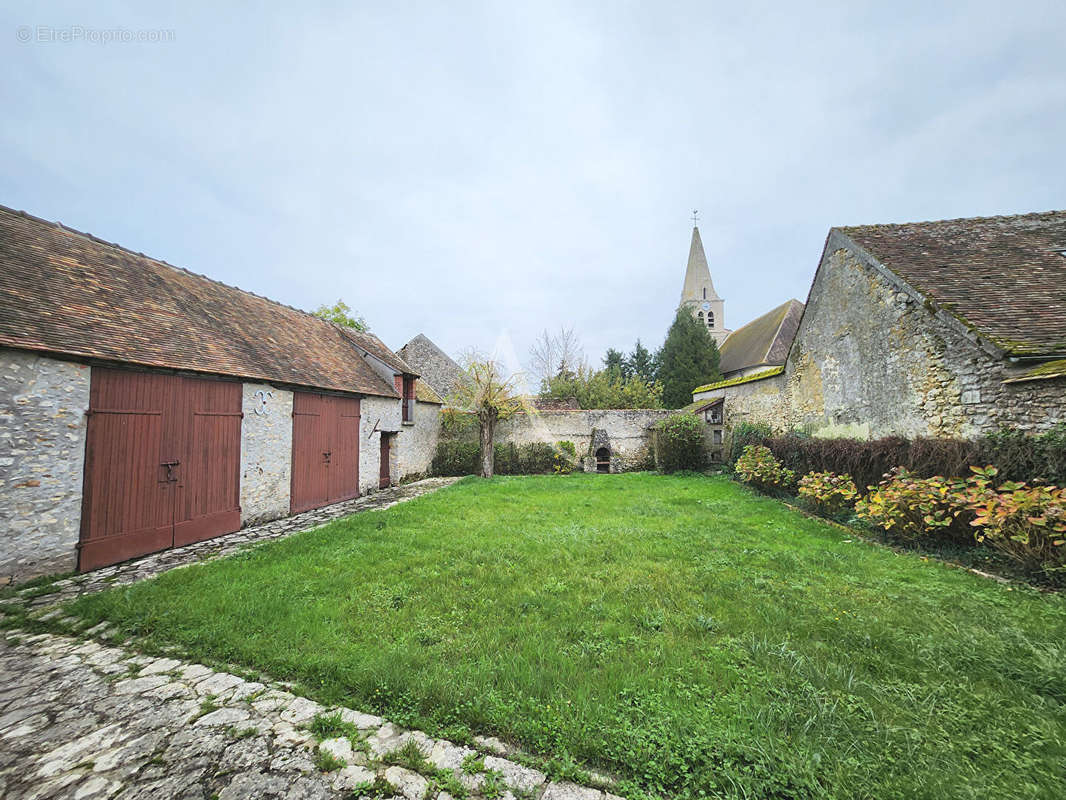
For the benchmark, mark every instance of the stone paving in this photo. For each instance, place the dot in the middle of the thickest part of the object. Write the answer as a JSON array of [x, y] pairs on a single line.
[[88, 721], [91, 720], [141, 568]]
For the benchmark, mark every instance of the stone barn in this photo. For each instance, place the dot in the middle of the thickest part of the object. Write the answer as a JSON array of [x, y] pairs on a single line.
[[951, 329], [145, 406]]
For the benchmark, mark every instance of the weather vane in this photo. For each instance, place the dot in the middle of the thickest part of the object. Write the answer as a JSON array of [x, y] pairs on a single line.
[[695, 216]]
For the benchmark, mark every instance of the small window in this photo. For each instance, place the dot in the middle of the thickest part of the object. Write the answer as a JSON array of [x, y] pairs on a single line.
[[704, 292], [710, 319], [716, 436], [699, 316]]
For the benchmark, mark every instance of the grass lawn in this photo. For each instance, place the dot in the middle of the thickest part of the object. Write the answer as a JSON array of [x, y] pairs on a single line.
[[687, 635]]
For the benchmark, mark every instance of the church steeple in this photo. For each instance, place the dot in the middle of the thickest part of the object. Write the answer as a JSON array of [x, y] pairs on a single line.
[[698, 294]]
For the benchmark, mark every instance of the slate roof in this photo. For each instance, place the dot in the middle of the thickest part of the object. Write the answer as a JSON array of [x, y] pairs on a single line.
[[762, 342], [68, 293], [1004, 277]]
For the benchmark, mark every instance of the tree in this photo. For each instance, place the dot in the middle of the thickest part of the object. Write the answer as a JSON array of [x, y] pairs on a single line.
[[606, 388], [490, 397], [341, 314], [641, 362], [615, 361], [688, 358], [555, 354]]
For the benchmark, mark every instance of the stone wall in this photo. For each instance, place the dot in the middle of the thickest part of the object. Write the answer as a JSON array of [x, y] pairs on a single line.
[[266, 453], [418, 442], [377, 414], [627, 430], [872, 358], [43, 405]]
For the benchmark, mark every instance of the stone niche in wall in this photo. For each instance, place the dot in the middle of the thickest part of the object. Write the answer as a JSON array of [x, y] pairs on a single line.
[[601, 457]]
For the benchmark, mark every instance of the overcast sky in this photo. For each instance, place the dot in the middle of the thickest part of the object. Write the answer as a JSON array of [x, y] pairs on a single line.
[[479, 172]]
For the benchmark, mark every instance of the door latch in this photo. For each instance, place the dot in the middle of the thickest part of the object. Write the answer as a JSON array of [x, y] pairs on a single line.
[[171, 465], [327, 455]]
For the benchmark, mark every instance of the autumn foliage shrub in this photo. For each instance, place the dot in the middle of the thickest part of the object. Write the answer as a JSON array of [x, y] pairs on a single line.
[[830, 493], [758, 467], [1027, 523], [911, 507]]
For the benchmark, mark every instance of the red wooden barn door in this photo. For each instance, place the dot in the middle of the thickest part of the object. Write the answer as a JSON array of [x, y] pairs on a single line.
[[310, 452], [384, 471], [344, 463], [208, 487], [162, 464], [128, 495], [325, 450]]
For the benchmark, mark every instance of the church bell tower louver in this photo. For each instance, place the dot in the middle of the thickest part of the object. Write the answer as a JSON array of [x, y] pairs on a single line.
[[698, 295]]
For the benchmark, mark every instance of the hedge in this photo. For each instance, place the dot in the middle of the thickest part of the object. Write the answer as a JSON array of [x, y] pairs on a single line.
[[1018, 456], [454, 458]]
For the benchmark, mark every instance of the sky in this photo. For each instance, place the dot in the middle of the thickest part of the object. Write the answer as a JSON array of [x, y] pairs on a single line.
[[480, 172]]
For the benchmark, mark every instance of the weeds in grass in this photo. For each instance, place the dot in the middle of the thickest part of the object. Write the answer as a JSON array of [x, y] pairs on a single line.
[[330, 726], [473, 763], [326, 762], [377, 789], [207, 705], [493, 785]]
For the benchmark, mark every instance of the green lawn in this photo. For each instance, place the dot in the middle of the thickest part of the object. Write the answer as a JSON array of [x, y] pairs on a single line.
[[687, 635]]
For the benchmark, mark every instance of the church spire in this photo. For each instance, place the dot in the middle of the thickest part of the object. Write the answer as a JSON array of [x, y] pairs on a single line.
[[697, 273], [698, 294]]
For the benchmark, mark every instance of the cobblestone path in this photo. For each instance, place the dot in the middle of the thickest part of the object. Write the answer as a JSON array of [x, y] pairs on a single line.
[[89, 721]]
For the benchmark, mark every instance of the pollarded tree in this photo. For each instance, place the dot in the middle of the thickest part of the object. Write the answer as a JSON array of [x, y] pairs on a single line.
[[490, 397], [688, 358]]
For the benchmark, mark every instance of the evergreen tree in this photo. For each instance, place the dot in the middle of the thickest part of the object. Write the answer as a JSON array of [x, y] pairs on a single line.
[[688, 358], [615, 362], [641, 362]]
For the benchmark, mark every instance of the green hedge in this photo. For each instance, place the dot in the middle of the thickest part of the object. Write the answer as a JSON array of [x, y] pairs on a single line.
[[1018, 456], [461, 458], [680, 443]]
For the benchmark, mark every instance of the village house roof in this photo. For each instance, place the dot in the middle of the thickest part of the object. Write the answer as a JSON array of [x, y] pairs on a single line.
[[762, 342], [68, 293], [1003, 277], [438, 370]]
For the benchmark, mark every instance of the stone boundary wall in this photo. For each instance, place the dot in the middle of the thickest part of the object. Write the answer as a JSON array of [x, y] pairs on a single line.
[[627, 430], [266, 453], [43, 405]]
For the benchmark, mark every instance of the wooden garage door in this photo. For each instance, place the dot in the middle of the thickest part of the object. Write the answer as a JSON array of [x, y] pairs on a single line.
[[325, 450], [162, 464]]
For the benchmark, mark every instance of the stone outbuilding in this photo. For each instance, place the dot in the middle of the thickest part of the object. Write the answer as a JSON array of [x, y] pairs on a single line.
[[952, 329], [438, 370], [145, 406]]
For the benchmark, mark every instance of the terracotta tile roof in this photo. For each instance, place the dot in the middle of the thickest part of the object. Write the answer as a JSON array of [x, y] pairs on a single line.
[[65, 292], [762, 342], [1004, 277]]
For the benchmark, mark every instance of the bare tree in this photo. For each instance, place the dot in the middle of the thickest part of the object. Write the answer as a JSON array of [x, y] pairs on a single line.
[[553, 354], [490, 397]]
